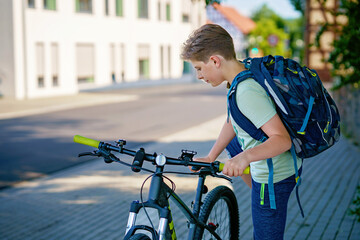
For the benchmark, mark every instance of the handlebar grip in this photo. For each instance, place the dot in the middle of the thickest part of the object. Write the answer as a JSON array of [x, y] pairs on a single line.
[[221, 166], [246, 171], [86, 141]]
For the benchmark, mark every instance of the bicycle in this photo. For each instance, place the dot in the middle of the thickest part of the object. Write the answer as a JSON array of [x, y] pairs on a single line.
[[204, 216]]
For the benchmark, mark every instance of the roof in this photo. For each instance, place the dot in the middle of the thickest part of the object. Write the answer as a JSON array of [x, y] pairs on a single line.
[[243, 23]]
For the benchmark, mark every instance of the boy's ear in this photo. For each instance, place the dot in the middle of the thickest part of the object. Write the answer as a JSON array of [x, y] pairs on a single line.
[[216, 60]]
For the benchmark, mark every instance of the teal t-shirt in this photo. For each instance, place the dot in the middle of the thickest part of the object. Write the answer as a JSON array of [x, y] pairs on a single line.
[[257, 106]]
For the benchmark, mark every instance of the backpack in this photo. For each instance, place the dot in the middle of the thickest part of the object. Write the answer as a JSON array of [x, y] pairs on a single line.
[[302, 102]]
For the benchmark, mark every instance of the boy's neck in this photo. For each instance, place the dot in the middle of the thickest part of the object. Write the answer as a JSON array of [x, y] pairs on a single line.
[[232, 69]]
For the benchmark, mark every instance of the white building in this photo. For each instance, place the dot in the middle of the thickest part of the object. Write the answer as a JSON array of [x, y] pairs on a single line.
[[56, 47]]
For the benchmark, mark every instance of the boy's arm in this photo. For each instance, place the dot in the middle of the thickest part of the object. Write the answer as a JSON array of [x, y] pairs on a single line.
[[226, 135], [278, 142]]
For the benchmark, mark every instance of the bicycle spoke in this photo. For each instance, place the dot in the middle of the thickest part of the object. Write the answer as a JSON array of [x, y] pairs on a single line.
[[220, 220]]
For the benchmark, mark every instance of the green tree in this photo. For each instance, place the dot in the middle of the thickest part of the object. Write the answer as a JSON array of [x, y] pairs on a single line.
[[264, 12], [260, 37], [345, 57], [288, 31], [299, 5], [295, 29]]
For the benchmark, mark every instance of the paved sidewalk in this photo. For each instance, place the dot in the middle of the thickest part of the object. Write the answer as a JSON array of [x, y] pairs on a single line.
[[91, 201]]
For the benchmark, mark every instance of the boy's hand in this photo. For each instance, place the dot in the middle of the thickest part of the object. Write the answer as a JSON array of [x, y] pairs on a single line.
[[202, 159], [235, 166]]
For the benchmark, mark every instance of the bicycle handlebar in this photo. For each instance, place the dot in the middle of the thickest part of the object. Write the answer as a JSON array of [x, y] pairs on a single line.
[[99, 144]]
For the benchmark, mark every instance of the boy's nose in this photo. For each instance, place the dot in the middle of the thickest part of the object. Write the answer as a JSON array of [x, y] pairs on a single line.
[[199, 76]]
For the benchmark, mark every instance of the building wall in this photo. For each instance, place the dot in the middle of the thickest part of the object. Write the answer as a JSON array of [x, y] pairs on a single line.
[[45, 44], [8, 79]]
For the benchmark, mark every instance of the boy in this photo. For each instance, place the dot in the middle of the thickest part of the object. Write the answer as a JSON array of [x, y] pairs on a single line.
[[211, 51]]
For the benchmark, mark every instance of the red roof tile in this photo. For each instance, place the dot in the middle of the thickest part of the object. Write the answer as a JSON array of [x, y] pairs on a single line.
[[243, 23]]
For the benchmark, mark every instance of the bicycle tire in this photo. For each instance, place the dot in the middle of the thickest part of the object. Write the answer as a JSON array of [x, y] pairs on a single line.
[[139, 236], [220, 209]]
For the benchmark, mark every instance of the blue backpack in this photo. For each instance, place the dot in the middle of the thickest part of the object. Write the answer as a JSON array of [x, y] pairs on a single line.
[[305, 107]]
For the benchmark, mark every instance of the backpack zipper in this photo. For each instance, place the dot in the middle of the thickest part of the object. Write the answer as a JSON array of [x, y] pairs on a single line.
[[329, 122], [322, 135]]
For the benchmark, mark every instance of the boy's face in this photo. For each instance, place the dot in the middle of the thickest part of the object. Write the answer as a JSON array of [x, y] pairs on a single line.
[[208, 72]]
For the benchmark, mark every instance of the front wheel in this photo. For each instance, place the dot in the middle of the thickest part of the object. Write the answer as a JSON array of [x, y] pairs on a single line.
[[139, 236], [220, 212]]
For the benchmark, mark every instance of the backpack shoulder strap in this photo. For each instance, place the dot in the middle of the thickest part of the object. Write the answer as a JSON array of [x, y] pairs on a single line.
[[238, 117], [245, 123], [264, 78]]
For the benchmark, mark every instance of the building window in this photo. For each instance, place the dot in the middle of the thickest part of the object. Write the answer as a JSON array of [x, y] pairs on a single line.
[[31, 3], [55, 64], [122, 63], [162, 63], [50, 4], [40, 65], [83, 6], [185, 10], [119, 8], [159, 11], [117, 62], [144, 62], [41, 82], [143, 9], [186, 67], [106, 7], [113, 63], [185, 18], [169, 61], [85, 58], [168, 12], [144, 70], [165, 61]]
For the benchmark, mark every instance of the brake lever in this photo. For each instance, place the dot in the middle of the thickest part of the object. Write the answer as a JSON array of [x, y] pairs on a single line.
[[215, 174], [95, 153], [222, 176]]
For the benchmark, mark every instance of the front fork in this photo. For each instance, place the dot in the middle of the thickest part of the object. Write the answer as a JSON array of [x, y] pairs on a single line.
[[155, 197], [165, 214], [163, 222], [131, 221]]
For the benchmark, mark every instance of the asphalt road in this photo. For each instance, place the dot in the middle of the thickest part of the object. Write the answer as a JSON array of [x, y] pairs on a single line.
[[41, 144]]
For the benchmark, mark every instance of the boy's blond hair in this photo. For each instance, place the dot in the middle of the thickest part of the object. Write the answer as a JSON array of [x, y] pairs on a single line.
[[208, 40]]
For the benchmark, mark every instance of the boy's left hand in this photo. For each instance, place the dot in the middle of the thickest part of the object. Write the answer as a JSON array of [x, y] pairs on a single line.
[[235, 166], [202, 159]]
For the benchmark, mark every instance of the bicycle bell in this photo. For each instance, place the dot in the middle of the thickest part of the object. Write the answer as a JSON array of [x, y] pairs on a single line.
[[160, 160]]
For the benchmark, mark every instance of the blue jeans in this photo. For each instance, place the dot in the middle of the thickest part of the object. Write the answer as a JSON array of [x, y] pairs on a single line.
[[270, 223]]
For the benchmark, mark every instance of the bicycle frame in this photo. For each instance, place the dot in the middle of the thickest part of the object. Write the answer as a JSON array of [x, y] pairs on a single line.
[[157, 185], [159, 191]]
